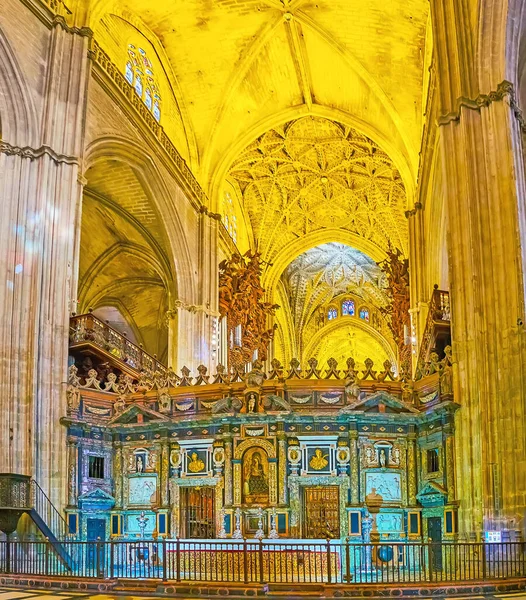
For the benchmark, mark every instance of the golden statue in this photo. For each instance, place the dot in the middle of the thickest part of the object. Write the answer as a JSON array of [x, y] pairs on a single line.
[[319, 460], [196, 464]]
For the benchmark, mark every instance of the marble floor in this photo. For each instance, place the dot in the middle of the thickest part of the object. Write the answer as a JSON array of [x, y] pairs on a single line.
[[32, 594]]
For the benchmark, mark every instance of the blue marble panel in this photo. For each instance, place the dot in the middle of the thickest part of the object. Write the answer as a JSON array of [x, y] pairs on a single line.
[[132, 524], [142, 490], [389, 522], [386, 484]]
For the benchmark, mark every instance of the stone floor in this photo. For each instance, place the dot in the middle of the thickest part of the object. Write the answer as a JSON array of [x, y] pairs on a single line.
[[33, 594]]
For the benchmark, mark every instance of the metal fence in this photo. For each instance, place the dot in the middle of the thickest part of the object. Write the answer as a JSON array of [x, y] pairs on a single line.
[[268, 561]]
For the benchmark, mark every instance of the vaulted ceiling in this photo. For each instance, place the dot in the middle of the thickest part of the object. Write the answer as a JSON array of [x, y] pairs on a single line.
[[241, 67], [314, 173]]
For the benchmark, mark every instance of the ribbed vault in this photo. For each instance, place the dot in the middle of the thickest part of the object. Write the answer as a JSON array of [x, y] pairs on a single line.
[[314, 174]]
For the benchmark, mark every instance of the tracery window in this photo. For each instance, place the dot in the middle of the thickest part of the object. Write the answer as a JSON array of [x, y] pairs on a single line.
[[229, 216], [348, 308], [139, 73], [332, 313], [364, 314]]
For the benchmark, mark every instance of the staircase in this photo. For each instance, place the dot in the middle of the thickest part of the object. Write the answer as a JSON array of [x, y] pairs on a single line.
[[20, 494]]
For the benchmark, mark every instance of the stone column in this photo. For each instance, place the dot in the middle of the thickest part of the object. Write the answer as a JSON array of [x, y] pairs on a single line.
[[39, 231], [118, 474], [165, 474], [73, 475], [480, 141], [450, 467], [355, 469], [176, 512], [238, 483], [411, 471], [125, 479], [228, 472], [282, 470]]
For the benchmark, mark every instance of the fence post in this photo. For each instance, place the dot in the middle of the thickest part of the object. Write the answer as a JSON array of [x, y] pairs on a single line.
[[46, 554], [347, 561], [165, 570], [112, 559], [430, 559], [98, 549], [329, 567], [484, 565], [8, 554], [260, 555], [245, 561], [178, 559]]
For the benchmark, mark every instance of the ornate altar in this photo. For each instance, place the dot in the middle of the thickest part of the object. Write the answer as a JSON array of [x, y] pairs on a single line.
[[291, 453]]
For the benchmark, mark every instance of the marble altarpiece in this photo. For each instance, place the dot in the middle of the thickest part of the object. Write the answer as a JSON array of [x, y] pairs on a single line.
[[295, 456]]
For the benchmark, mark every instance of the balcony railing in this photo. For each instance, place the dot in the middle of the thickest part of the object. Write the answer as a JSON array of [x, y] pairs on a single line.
[[88, 330], [439, 316], [104, 62], [272, 561]]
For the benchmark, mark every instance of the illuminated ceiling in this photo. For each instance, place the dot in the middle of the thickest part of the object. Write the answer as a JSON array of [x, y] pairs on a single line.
[[314, 174], [348, 340], [321, 273], [240, 68]]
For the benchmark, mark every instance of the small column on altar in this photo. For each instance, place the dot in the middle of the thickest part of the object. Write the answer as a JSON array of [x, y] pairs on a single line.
[[72, 445]]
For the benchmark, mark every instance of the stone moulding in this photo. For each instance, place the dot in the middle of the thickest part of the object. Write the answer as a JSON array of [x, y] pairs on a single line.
[[35, 153], [505, 89], [111, 77]]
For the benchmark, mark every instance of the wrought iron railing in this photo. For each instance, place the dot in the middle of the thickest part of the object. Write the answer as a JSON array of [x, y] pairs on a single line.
[[88, 329], [271, 561], [46, 510]]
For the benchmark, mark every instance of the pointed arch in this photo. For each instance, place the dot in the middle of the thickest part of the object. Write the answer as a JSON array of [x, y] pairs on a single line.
[[18, 117]]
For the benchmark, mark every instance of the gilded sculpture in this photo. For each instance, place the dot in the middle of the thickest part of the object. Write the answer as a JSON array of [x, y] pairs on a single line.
[[396, 267], [195, 464], [241, 303], [318, 461]]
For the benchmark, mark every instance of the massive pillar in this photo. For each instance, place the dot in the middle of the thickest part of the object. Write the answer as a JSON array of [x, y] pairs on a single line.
[[39, 232], [480, 141]]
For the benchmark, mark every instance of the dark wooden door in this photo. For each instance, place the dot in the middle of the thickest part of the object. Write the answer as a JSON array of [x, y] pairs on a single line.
[[95, 532], [321, 512], [197, 512], [434, 533]]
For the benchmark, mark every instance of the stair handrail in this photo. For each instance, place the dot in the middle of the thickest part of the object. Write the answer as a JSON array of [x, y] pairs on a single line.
[[48, 512]]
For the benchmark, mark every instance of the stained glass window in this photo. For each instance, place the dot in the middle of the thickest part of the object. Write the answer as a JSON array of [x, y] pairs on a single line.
[[156, 111], [139, 73], [229, 216], [129, 73], [148, 99], [348, 308], [364, 314], [138, 84], [332, 313]]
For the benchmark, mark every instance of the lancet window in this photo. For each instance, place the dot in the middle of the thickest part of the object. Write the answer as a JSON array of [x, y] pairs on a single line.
[[332, 313], [364, 314], [139, 73], [348, 308], [229, 216]]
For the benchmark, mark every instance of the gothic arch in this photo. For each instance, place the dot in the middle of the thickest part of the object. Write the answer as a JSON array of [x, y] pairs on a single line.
[[18, 119], [332, 326], [316, 238], [133, 155]]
